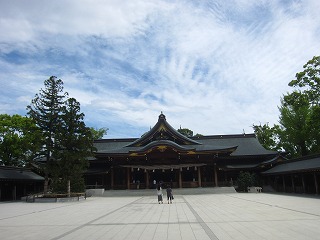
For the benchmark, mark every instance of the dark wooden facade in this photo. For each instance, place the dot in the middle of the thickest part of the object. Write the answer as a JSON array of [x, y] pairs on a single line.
[[300, 175], [165, 155], [17, 182]]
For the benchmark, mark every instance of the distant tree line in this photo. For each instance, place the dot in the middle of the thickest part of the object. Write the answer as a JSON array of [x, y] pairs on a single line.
[[188, 133]]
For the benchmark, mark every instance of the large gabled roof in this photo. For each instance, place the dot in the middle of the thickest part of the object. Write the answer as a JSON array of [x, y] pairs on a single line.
[[162, 135]]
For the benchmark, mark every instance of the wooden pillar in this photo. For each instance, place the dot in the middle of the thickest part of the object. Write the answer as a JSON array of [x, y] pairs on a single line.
[[180, 178], [215, 176], [147, 179], [316, 182], [102, 180], [275, 183], [14, 193], [199, 177], [128, 178], [303, 183], [292, 183], [69, 187], [105, 180], [111, 178], [283, 183]]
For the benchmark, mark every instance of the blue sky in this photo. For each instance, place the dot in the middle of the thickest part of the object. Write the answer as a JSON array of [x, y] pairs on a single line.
[[215, 67]]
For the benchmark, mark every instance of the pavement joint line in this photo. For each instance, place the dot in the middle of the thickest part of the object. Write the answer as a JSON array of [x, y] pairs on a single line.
[[161, 223], [25, 214], [205, 227], [142, 223], [271, 205], [90, 222]]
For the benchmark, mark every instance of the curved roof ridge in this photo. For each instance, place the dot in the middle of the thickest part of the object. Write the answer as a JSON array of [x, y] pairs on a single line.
[[161, 127]]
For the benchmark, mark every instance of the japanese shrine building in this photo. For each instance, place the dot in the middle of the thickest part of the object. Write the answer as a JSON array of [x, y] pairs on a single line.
[[163, 154]]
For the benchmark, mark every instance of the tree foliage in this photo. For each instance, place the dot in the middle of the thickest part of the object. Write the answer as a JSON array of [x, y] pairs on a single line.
[[46, 110], [20, 140], [299, 120], [267, 136], [309, 80], [299, 112], [98, 133], [67, 142], [75, 145], [186, 132], [295, 134], [246, 179]]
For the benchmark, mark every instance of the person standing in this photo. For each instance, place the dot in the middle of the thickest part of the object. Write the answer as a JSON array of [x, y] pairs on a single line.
[[169, 194], [159, 193]]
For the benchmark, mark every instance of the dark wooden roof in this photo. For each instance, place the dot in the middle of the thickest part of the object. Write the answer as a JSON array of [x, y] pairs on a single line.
[[162, 130], [163, 135], [303, 164], [15, 173], [247, 144]]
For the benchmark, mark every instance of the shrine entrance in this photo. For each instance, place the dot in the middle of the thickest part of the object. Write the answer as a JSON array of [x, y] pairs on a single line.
[[177, 176]]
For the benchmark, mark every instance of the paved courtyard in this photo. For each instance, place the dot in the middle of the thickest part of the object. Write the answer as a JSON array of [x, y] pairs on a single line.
[[210, 216]]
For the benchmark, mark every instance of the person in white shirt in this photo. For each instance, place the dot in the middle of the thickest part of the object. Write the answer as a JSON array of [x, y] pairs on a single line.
[[159, 193]]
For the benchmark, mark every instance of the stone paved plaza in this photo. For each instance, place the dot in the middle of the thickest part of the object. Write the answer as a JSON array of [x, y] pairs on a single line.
[[210, 216]]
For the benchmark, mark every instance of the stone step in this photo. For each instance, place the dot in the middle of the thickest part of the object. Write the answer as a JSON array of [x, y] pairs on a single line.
[[178, 191]]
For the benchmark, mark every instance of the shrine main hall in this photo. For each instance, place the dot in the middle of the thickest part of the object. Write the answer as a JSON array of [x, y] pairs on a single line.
[[165, 155]]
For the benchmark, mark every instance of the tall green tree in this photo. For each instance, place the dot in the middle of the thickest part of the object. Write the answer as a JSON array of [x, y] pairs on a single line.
[[268, 136], [46, 110], [295, 134], [299, 120], [308, 81], [19, 140], [75, 142], [314, 125]]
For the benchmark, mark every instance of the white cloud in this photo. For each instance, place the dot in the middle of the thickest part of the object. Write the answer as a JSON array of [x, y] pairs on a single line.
[[213, 66]]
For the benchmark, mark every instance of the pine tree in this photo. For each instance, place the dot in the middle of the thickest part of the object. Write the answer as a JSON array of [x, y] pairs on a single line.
[[75, 142], [46, 110]]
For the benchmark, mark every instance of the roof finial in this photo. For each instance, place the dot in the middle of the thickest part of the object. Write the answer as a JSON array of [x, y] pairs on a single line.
[[162, 116]]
